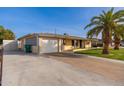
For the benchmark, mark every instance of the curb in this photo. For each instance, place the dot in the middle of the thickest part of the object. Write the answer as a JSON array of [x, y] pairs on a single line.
[[101, 58]]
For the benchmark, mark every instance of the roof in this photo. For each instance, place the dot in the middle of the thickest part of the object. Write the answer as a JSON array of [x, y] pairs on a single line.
[[96, 39], [53, 36]]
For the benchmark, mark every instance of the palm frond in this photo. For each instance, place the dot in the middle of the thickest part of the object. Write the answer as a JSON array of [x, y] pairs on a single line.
[[94, 23], [112, 9], [104, 13], [94, 31], [95, 18], [118, 14], [119, 20]]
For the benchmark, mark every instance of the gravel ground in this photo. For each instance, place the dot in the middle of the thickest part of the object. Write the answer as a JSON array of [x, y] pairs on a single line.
[[28, 69]]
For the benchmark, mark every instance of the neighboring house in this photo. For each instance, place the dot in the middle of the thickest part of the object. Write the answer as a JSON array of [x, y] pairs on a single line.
[[47, 43], [97, 42], [122, 43]]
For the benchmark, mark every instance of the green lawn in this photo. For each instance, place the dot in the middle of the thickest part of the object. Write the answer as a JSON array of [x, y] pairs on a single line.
[[114, 54]]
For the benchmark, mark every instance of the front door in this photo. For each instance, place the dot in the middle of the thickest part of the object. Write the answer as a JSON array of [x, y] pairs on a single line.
[[80, 43]]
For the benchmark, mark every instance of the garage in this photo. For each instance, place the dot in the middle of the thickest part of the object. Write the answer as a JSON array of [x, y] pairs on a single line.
[[49, 46]]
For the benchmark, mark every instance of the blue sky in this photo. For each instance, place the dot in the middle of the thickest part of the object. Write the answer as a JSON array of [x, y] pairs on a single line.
[[31, 20]]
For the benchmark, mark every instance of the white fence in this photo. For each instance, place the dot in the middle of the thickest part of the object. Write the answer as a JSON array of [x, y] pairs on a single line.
[[10, 45]]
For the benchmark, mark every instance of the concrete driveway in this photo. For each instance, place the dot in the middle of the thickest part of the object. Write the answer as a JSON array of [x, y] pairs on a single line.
[[59, 69]]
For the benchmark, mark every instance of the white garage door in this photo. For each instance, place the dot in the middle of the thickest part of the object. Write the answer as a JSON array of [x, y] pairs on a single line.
[[49, 46]]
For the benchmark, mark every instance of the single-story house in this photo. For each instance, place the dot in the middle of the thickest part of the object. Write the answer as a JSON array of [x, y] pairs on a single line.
[[47, 43], [96, 42], [122, 43]]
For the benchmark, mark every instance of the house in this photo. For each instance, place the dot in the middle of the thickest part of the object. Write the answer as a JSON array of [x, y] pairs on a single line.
[[122, 43], [96, 42], [47, 43]]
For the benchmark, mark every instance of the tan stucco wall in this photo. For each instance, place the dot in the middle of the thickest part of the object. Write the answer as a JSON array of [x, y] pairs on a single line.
[[87, 44], [78, 44], [68, 45], [34, 49], [39, 44], [60, 45], [83, 44], [21, 44]]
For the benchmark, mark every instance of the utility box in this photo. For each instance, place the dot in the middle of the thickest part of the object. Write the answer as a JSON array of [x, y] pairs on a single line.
[[28, 48]]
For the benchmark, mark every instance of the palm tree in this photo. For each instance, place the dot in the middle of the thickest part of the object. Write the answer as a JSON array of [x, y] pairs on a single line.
[[106, 23], [118, 35]]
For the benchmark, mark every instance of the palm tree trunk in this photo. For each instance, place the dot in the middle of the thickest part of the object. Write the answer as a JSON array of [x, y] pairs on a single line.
[[116, 47], [117, 44], [105, 48], [106, 42]]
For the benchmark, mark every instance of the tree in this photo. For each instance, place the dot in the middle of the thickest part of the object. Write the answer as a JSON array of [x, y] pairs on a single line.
[[106, 23], [118, 35], [6, 34], [1, 34]]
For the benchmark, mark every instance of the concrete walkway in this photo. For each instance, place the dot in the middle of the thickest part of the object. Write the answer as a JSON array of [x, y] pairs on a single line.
[[25, 69]]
